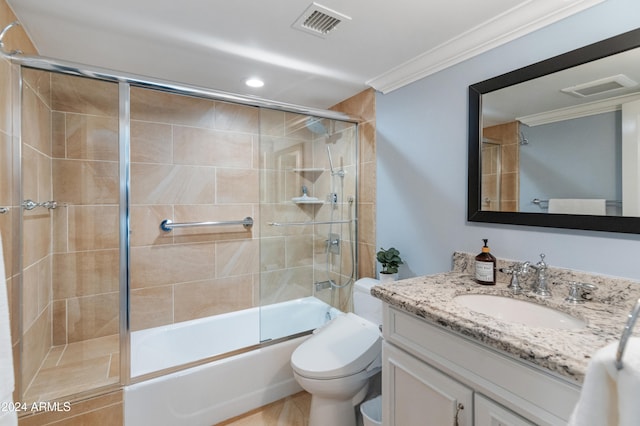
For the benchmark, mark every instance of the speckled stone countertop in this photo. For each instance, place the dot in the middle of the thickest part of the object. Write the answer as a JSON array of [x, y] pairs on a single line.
[[563, 352]]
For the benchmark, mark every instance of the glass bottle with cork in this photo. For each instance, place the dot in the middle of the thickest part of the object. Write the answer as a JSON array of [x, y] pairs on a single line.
[[485, 266]]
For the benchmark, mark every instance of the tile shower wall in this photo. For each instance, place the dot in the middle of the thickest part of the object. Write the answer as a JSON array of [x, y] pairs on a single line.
[[291, 156], [507, 135], [192, 160], [36, 250], [85, 225]]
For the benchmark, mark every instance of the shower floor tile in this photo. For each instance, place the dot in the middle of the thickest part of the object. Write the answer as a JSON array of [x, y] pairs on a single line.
[[290, 411], [76, 367]]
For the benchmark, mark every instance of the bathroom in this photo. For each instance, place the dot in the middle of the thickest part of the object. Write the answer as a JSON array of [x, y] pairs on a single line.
[[429, 180]]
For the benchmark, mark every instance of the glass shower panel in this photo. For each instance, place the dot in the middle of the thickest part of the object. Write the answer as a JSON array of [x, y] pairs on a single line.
[[308, 169], [193, 160], [70, 235]]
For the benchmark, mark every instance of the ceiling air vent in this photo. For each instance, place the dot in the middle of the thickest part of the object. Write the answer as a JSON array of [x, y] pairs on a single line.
[[602, 85], [319, 20]]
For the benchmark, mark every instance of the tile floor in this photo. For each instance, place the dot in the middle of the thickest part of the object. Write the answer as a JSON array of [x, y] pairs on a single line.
[[290, 411], [76, 367]]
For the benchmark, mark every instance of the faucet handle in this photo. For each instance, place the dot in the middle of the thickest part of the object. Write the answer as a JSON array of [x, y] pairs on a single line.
[[541, 263], [579, 292]]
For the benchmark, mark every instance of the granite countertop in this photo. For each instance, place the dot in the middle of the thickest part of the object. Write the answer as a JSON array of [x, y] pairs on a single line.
[[563, 352]]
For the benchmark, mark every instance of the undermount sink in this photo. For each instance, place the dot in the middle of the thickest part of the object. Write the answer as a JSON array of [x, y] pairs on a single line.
[[530, 314]]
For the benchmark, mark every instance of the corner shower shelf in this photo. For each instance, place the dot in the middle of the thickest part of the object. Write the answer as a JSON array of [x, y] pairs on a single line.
[[308, 202], [308, 170]]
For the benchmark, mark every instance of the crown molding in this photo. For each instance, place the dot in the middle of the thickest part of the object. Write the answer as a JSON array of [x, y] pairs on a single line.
[[584, 110], [523, 19]]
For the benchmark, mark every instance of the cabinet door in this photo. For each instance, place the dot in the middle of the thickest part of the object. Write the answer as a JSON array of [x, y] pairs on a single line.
[[489, 413], [415, 393]]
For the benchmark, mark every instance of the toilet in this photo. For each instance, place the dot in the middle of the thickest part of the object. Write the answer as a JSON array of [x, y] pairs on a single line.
[[335, 364]]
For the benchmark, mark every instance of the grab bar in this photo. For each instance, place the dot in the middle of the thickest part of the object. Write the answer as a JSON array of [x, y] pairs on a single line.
[[330, 222], [626, 333], [168, 225]]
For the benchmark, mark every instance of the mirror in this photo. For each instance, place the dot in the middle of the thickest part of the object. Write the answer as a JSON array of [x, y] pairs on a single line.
[[547, 146]]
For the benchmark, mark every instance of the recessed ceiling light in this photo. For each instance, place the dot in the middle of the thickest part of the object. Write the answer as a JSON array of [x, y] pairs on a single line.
[[254, 82]]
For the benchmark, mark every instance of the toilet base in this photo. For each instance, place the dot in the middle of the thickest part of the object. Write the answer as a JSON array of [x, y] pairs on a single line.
[[335, 412]]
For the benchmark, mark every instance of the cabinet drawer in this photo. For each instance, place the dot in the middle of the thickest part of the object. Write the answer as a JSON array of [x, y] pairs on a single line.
[[527, 390]]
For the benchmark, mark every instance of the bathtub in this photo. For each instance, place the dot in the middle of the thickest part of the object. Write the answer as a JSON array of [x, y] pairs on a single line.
[[224, 388]]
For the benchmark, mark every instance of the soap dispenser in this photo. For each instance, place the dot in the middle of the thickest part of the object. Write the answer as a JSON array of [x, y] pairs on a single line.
[[485, 266]]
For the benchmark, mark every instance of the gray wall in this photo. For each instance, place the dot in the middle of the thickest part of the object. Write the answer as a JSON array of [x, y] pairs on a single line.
[[555, 163], [422, 162]]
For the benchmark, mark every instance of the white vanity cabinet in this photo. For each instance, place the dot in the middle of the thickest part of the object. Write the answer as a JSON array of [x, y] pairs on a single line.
[[421, 394], [434, 377]]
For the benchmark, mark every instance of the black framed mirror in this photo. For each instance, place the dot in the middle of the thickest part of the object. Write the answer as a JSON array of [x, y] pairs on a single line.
[[546, 145]]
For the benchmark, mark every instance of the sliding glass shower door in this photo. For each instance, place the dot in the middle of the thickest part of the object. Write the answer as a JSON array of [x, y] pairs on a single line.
[[308, 221]]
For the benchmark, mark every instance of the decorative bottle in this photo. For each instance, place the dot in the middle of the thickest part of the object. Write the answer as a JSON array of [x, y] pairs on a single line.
[[485, 266]]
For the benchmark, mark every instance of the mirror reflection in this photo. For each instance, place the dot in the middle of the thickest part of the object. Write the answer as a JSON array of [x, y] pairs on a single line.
[[566, 142]]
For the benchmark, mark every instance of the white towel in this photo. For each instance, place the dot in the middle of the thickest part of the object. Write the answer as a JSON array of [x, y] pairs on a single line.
[[8, 417], [592, 206], [609, 396]]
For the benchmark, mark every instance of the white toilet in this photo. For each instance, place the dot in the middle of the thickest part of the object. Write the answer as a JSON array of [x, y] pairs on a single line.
[[335, 364]]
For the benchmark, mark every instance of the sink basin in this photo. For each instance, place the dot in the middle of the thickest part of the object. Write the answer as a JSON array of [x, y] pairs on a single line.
[[518, 311]]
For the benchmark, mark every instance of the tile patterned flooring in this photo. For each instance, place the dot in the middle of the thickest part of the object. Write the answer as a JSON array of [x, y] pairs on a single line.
[[290, 411], [76, 367]]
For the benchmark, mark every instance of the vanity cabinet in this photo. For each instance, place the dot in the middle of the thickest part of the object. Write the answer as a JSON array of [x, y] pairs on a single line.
[[431, 374]]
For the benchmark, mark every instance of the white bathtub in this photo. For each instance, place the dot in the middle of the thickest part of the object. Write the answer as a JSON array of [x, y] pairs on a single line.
[[210, 393]]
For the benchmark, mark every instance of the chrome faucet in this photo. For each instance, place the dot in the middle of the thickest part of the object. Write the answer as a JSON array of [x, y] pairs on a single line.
[[516, 270], [541, 289]]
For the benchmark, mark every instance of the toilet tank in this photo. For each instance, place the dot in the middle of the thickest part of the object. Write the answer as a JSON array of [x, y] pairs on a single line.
[[364, 304]]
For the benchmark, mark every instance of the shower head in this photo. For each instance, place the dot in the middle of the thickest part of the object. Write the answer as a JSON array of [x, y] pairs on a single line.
[[314, 124]]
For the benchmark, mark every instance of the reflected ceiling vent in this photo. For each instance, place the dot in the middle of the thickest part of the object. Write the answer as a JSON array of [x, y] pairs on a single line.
[[319, 20], [602, 85]]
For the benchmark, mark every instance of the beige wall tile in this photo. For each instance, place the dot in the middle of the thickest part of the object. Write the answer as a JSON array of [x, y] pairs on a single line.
[[85, 182], [167, 264], [59, 322], [151, 307], [58, 135], [237, 118], [237, 186], [91, 138], [92, 316], [151, 142], [93, 227], [286, 284], [96, 406], [205, 147], [36, 236], [212, 297], [145, 225], [237, 258], [299, 250], [6, 170], [165, 184], [36, 342], [85, 273], [272, 253], [84, 96], [40, 82], [161, 107], [36, 123], [17, 37]]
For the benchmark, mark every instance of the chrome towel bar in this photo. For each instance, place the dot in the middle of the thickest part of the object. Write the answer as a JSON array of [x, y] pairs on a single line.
[[168, 225], [626, 333], [330, 222]]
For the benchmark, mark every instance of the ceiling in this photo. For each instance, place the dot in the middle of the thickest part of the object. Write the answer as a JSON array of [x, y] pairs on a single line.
[[220, 44]]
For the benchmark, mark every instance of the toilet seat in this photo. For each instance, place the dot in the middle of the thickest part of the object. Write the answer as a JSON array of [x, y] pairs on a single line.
[[342, 348]]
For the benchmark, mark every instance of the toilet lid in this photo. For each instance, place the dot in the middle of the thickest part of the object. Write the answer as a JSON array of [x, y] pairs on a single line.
[[344, 347]]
